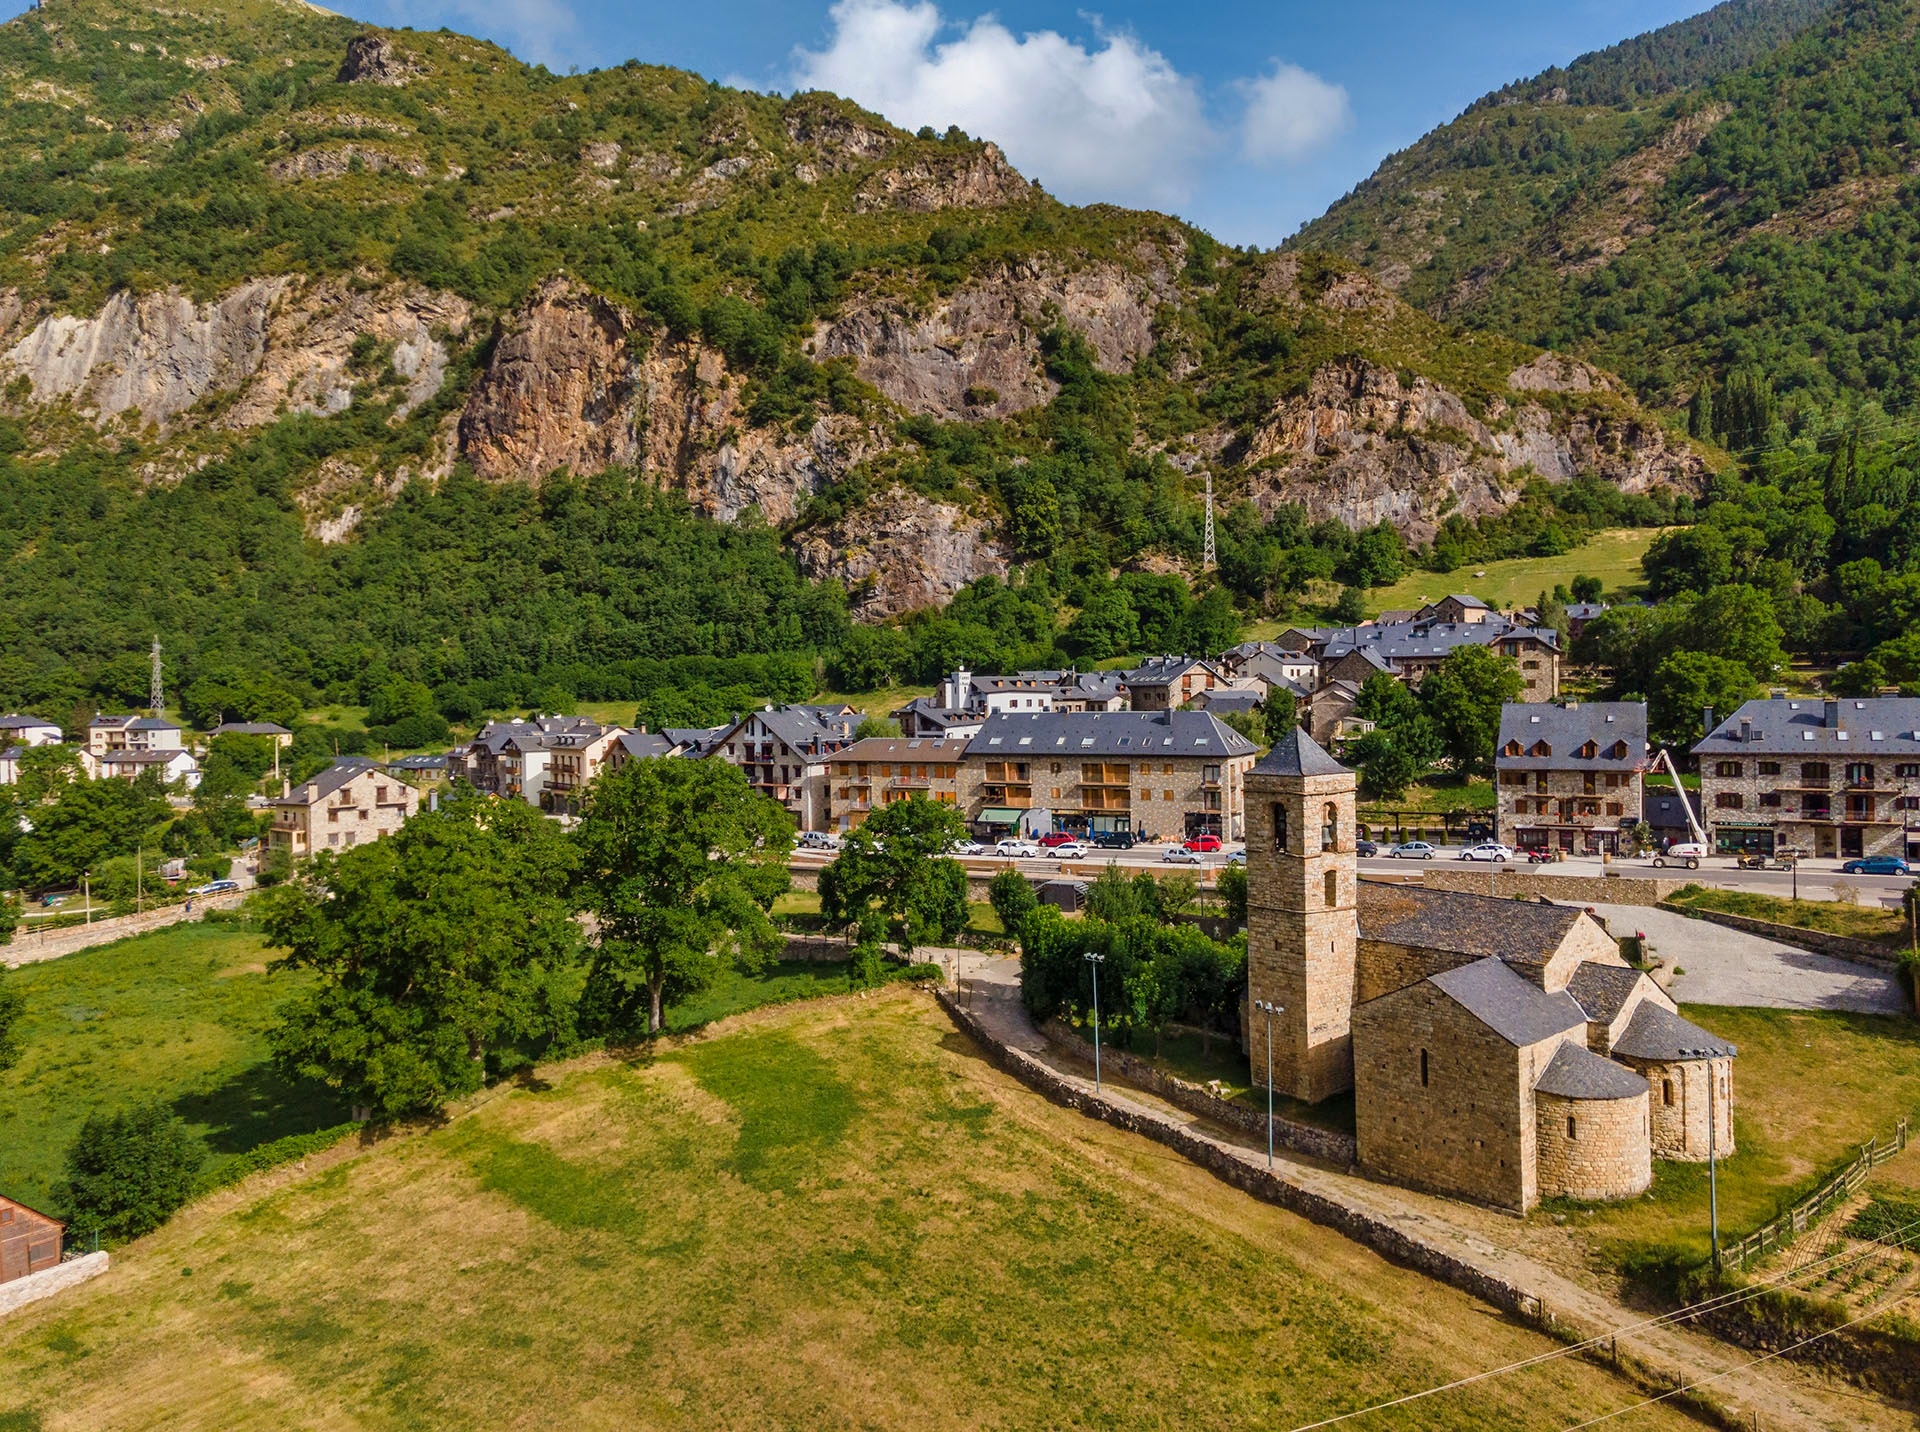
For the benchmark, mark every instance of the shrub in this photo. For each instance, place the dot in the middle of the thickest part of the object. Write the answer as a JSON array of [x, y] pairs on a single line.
[[128, 1172], [1012, 898]]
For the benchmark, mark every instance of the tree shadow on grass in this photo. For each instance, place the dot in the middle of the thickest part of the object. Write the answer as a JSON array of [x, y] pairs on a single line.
[[258, 1105]]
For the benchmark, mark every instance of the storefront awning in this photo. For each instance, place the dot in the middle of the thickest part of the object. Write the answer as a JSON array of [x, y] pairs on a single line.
[[995, 815]]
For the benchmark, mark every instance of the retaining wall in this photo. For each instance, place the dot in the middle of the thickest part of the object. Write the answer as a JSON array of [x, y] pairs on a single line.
[[1480, 879], [1839, 947], [1335, 1148], [31, 946], [18, 1292]]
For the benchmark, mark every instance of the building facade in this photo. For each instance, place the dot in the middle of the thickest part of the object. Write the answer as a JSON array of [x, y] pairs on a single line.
[[1837, 778], [109, 733], [1569, 777], [784, 750], [353, 802], [19, 730], [881, 770]]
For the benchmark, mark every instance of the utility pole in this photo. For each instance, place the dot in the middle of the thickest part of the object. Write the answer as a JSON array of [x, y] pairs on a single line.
[[1207, 557], [1095, 961], [1270, 1009], [156, 694]]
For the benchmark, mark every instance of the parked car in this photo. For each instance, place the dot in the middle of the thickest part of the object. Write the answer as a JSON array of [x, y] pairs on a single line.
[[1072, 850], [818, 840], [1365, 847], [1877, 865], [1479, 832], [1488, 850], [1239, 857], [1015, 848], [1058, 837], [1203, 843], [968, 847], [1182, 855], [1413, 850], [1686, 852], [1113, 839], [215, 887]]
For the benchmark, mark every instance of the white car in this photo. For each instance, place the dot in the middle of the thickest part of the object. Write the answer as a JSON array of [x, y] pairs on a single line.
[[1072, 850], [819, 840], [1488, 850], [1413, 850], [1017, 849], [968, 847], [1687, 852], [1180, 855], [216, 887]]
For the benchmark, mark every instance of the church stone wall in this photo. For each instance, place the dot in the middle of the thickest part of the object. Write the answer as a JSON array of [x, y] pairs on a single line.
[[1592, 1148], [1678, 1105]]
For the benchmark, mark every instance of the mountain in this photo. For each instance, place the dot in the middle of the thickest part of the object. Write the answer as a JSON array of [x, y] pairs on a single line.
[[1734, 193], [339, 355]]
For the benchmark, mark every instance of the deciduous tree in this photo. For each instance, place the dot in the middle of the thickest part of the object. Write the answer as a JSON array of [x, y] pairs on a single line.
[[1463, 696], [896, 877]]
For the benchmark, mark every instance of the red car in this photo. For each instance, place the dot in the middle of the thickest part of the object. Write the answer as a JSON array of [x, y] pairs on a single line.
[[1058, 837], [1201, 844]]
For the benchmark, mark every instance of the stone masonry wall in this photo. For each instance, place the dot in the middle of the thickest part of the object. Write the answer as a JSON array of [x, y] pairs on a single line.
[[1786, 782], [30, 946], [1522, 794], [18, 1292], [1573, 889], [1677, 1106], [1592, 1148]]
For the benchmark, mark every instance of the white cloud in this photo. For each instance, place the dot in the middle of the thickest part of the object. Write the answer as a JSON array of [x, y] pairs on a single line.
[[1113, 122], [1290, 113]]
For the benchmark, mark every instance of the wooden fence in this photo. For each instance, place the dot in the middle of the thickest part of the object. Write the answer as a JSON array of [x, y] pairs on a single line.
[[1772, 1237]]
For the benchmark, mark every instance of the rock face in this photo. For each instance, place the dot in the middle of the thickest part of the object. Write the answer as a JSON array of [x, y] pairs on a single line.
[[977, 179], [901, 553], [977, 354], [1363, 447], [371, 60]]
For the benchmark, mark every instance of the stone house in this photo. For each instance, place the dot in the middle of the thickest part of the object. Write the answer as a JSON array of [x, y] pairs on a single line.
[[1568, 777], [29, 1240], [1328, 713], [1273, 665], [1165, 775], [1830, 778], [350, 803], [880, 770], [783, 751], [1166, 683], [1409, 650], [1496, 1050]]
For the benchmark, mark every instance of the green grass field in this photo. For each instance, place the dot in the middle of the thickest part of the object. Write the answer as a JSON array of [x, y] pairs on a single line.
[[837, 1215], [1861, 922], [1612, 556]]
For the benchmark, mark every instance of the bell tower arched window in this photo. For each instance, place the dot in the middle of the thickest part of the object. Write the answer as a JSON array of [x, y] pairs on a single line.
[[1279, 827], [1330, 827]]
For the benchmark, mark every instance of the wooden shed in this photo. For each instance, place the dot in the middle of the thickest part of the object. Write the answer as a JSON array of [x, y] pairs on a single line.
[[29, 1240], [1067, 896]]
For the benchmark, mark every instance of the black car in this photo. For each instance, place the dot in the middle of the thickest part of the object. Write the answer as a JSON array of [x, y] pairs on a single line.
[[1477, 831], [1113, 839], [1365, 847]]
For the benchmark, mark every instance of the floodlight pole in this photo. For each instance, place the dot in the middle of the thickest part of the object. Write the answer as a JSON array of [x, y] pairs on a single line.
[[1270, 1009], [1095, 960], [1713, 1182]]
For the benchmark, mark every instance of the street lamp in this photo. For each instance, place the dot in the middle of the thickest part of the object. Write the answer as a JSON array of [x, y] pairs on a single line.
[[1713, 1183], [1269, 1009], [1096, 961]]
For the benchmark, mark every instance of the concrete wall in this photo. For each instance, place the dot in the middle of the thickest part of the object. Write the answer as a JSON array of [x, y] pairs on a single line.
[[1574, 889], [57, 1279], [1678, 1106], [1592, 1148], [30, 946]]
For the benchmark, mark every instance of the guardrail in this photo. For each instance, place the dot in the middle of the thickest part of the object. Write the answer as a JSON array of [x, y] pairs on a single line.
[[1771, 1237]]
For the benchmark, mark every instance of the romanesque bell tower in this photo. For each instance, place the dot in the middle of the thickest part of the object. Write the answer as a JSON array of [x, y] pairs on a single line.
[[1302, 929]]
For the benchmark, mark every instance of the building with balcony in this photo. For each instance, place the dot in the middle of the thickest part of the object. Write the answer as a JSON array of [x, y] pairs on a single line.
[[881, 770], [546, 761], [1569, 777], [350, 803], [108, 733], [1164, 775], [784, 750], [1836, 778]]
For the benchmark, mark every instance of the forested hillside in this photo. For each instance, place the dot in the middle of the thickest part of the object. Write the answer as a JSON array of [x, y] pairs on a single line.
[[334, 355]]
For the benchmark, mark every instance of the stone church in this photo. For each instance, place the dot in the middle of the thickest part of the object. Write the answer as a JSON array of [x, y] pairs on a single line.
[[1496, 1050]]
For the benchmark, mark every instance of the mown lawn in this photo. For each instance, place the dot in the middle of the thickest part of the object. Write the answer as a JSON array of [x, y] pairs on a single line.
[[1832, 917], [1809, 1087], [838, 1215], [1612, 556]]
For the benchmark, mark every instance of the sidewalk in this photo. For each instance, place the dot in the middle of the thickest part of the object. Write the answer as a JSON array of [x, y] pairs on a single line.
[[1436, 1235]]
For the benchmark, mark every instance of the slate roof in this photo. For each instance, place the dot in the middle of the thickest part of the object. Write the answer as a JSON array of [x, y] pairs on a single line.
[[1566, 729], [249, 728], [697, 740], [1160, 670], [1603, 990], [645, 745], [1576, 1072], [898, 748], [1222, 701], [17, 722], [1108, 733], [318, 788], [542, 731], [1516, 930], [418, 763], [1656, 1032], [145, 758], [1876, 726], [1298, 754], [806, 729], [1517, 1011], [1402, 641], [151, 723]]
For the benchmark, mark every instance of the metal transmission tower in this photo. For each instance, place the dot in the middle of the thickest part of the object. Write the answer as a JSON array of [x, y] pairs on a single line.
[[1206, 558], [156, 693]]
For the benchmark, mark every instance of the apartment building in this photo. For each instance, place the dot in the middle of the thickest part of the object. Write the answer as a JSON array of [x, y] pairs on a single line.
[[1166, 683], [880, 770], [1569, 777], [1160, 775], [783, 751], [109, 733], [546, 761], [350, 803], [1837, 778]]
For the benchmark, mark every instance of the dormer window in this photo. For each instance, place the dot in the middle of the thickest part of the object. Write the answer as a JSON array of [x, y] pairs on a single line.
[[1589, 751], [1513, 748], [1540, 749]]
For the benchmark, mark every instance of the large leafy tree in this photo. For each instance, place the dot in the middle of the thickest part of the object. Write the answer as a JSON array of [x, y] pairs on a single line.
[[446, 945], [680, 861], [1463, 696], [74, 824], [1687, 683], [896, 877]]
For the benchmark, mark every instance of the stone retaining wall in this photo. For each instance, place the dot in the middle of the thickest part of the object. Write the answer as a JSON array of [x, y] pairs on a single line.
[[30, 946], [18, 1292], [1335, 1148], [1839, 947], [1480, 879]]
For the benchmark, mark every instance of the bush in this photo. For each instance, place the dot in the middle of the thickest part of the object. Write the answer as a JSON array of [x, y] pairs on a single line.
[[1012, 898], [127, 1173]]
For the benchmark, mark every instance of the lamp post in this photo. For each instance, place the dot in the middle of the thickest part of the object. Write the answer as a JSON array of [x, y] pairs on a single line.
[[86, 885], [1269, 1009], [1096, 960], [1713, 1183]]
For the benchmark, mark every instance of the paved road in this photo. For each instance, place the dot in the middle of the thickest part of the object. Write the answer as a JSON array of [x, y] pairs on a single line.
[[1731, 967]]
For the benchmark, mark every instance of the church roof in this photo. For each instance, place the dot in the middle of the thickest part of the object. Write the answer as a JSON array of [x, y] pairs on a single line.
[[1522, 931], [1297, 754], [1576, 1072], [1603, 990], [1656, 1032], [1517, 1011]]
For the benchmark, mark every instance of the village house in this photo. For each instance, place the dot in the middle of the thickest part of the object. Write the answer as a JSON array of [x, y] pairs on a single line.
[[1827, 778], [783, 751], [29, 1240], [1166, 683], [545, 761], [1158, 775], [19, 730], [174, 765], [962, 702], [1328, 715], [279, 734], [352, 802], [1568, 777], [880, 770], [110, 733], [1496, 1050], [1409, 650]]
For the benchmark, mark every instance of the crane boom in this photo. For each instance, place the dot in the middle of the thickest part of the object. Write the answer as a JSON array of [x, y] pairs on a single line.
[[1665, 758]]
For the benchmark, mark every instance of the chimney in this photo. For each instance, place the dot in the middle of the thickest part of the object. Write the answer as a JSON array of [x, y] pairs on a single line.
[[286, 788], [962, 688], [1706, 720], [1746, 729], [1833, 716]]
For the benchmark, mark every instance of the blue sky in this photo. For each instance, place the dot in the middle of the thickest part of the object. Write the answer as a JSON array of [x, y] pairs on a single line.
[[1246, 118]]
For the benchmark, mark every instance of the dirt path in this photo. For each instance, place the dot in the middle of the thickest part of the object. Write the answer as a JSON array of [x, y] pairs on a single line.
[[1783, 1395]]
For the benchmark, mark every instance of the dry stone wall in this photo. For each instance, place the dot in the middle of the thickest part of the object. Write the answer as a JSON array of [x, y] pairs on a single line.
[[18, 1292], [1571, 889]]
